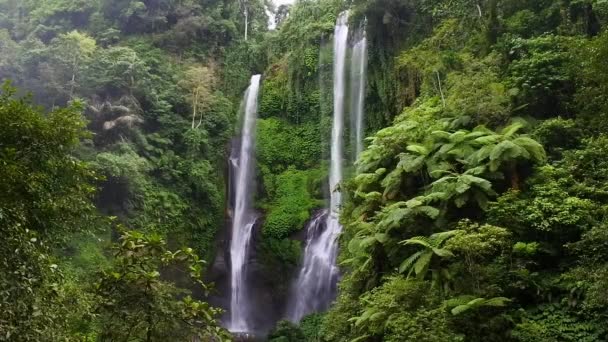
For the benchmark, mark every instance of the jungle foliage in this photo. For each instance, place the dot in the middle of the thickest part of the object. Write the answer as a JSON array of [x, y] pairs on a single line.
[[476, 213], [132, 118]]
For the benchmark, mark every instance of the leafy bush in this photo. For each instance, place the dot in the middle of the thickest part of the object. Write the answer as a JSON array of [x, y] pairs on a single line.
[[286, 331], [135, 302], [546, 208], [310, 326], [557, 135], [556, 323], [540, 69], [293, 203], [403, 310], [281, 145]]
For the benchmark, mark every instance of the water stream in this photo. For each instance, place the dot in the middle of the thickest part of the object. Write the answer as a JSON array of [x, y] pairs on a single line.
[[244, 217], [314, 288], [358, 72]]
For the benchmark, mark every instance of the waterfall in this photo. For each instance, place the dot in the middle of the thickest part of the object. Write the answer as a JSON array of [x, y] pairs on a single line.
[[243, 218], [337, 133], [315, 286], [358, 80]]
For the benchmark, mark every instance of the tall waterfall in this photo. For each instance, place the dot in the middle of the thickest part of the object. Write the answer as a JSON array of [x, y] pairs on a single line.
[[315, 285], [243, 216], [358, 81], [337, 133]]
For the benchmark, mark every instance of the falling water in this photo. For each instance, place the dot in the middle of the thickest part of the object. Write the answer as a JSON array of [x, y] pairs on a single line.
[[358, 81], [244, 218], [315, 287], [335, 172], [316, 283]]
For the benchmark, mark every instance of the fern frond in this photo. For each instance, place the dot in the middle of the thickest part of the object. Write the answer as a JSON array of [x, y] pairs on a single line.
[[419, 149], [460, 300], [499, 150], [442, 252], [423, 263], [419, 240], [407, 263], [440, 135], [512, 129], [458, 136], [535, 149], [497, 301], [442, 236]]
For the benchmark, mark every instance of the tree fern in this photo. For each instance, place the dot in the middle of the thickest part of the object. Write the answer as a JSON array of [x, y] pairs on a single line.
[[465, 303], [419, 262]]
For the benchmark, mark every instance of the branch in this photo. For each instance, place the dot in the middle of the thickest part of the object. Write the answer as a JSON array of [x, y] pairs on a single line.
[[440, 89]]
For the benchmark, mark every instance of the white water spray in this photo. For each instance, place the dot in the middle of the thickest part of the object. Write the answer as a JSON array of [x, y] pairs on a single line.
[[244, 218]]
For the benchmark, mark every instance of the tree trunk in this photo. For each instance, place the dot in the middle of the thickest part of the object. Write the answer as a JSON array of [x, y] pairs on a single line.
[[149, 332], [514, 177], [149, 317], [73, 82], [72, 86], [440, 88], [246, 23], [194, 106], [492, 29]]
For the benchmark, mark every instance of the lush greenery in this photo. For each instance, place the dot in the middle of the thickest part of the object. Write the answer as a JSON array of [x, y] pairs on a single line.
[[465, 220], [133, 114], [476, 215], [47, 200], [477, 211]]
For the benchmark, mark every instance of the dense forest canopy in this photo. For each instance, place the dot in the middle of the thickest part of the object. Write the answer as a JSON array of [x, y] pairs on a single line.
[[475, 212]]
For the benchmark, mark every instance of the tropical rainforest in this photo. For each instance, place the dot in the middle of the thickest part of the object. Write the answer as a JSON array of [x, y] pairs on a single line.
[[477, 211]]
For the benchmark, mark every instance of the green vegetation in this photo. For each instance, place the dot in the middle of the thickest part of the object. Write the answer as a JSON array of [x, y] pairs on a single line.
[[477, 211], [137, 304], [461, 221], [135, 116]]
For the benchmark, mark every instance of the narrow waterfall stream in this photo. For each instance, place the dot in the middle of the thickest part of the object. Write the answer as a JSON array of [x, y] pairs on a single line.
[[314, 288], [337, 134], [243, 216], [358, 81]]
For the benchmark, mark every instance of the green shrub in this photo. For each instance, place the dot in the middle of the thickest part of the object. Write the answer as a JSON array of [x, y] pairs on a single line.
[[293, 202], [310, 326], [555, 323], [281, 145], [286, 331]]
